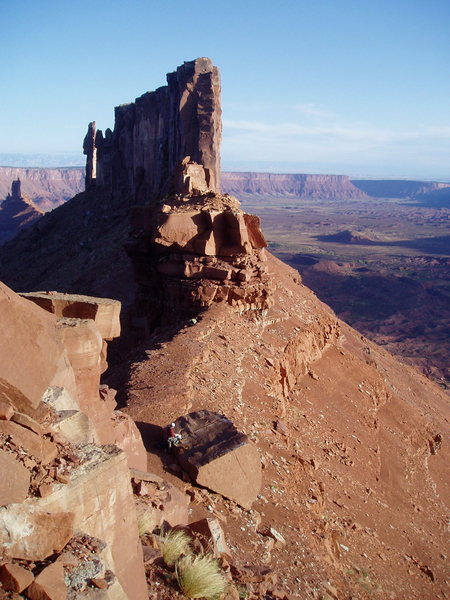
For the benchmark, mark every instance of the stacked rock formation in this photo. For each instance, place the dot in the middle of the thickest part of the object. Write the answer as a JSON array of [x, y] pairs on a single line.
[[190, 245], [192, 251], [55, 479]]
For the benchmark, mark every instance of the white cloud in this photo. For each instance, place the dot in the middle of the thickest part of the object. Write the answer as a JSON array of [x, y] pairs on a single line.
[[313, 110], [333, 131]]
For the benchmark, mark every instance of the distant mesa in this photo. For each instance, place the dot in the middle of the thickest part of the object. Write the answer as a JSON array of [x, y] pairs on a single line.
[[348, 237], [47, 187], [298, 185], [398, 188], [17, 212]]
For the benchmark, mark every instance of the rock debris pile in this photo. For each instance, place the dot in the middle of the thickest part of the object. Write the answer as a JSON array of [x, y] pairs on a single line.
[[56, 479]]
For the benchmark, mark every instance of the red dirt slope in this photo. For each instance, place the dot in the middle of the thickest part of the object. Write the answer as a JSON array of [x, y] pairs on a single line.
[[352, 444]]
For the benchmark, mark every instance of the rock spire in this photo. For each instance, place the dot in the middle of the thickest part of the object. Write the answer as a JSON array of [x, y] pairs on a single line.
[[178, 123]]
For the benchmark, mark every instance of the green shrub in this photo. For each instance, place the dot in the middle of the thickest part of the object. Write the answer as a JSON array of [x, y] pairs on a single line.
[[200, 577]]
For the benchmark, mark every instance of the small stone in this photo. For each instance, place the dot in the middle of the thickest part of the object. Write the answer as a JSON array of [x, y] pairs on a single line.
[[101, 584], [279, 539], [49, 584], [45, 490], [15, 578], [6, 411], [28, 422], [63, 477], [331, 590]]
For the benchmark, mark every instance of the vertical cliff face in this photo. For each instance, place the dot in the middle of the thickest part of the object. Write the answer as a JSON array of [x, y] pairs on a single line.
[[156, 132]]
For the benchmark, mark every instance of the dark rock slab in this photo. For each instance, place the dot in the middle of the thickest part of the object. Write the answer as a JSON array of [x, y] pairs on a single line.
[[218, 456]]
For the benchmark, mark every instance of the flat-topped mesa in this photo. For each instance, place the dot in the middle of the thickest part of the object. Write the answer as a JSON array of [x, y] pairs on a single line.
[[167, 141]]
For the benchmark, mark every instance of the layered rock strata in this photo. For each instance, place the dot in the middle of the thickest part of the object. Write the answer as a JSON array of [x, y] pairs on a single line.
[[47, 188], [193, 251], [156, 132], [295, 185]]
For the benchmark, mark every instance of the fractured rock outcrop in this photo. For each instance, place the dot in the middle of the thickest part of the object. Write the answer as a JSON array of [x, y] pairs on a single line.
[[218, 456], [193, 251], [51, 366], [104, 312]]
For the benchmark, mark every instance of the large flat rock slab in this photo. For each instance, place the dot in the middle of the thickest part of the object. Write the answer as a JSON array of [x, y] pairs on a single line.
[[30, 533], [105, 312], [15, 479], [218, 456], [30, 351]]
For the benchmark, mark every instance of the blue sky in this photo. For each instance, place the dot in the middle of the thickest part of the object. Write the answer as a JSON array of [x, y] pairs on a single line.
[[319, 86]]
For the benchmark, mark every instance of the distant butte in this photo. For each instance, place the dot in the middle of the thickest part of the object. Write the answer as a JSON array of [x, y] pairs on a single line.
[[16, 212]]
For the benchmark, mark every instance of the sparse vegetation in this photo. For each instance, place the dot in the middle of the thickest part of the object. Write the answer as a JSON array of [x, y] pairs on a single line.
[[173, 545], [200, 577], [145, 522]]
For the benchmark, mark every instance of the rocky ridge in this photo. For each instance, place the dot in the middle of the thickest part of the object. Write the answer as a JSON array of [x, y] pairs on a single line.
[[57, 478]]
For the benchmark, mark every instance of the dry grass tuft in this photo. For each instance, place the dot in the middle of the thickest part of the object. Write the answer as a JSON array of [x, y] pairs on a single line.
[[173, 544], [200, 577], [145, 522]]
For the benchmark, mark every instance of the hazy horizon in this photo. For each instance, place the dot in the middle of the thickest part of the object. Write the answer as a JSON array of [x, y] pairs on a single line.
[[77, 160]]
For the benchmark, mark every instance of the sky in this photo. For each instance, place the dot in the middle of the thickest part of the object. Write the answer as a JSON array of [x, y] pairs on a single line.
[[358, 87]]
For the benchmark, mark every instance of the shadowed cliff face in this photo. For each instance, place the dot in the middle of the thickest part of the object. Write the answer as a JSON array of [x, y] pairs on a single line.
[[16, 212]]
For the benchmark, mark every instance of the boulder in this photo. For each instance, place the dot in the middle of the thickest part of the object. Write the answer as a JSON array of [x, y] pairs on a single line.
[[15, 578], [28, 422], [74, 426], [161, 501], [42, 449], [30, 349], [122, 431], [105, 312], [190, 178], [28, 533], [6, 410], [211, 535], [14, 480], [59, 398], [49, 584], [219, 457]]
